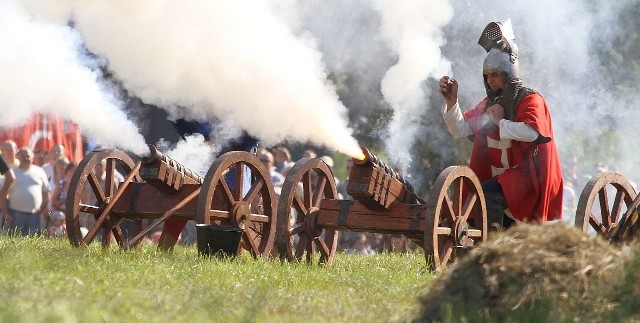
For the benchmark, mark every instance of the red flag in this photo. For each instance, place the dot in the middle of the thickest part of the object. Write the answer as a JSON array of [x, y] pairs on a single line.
[[42, 131]]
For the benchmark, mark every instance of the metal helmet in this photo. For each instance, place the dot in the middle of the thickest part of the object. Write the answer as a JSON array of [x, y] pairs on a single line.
[[499, 41], [500, 61]]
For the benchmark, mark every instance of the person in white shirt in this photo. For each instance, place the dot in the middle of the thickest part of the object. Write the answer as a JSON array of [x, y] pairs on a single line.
[[24, 195]]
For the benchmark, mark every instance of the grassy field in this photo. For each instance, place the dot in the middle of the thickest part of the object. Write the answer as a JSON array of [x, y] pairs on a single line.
[[48, 280]]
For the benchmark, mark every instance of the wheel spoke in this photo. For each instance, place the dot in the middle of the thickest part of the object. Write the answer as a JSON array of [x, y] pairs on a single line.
[[106, 237], [96, 187], [596, 224], [447, 209], [307, 189], [317, 195], [296, 229], [259, 218], [474, 233], [239, 181], [309, 251], [249, 239], [302, 246], [617, 205], [254, 190], [117, 234], [93, 232], [457, 196], [468, 205], [446, 252], [604, 206], [227, 192], [322, 246], [299, 206], [110, 176], [85, 208]]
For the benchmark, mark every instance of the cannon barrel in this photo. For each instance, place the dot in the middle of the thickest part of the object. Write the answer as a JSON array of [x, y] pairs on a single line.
[[370, 158], [376, 184], [156, 155], [165, 173]]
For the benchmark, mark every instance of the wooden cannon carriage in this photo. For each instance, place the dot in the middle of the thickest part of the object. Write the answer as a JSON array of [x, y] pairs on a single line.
[[156, 188], [452, 218], [608, 207]]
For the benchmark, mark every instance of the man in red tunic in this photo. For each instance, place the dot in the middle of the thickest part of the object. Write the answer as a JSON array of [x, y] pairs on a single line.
[[514, 152]]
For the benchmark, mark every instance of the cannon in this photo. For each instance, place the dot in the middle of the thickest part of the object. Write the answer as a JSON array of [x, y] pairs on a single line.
[[150, 190], [452, 218], [608, 207]]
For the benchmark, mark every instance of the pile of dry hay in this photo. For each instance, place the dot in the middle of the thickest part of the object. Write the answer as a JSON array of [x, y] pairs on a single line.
[[533, 273]]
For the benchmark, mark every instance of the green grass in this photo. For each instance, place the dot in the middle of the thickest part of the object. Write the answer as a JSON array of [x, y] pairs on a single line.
[[48, 280]]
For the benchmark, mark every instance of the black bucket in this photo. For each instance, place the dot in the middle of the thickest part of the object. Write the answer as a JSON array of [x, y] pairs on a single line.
[[218, 240]]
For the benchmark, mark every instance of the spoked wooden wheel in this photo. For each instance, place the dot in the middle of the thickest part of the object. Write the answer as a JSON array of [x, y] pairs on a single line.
[[92, 194], [308, 182], [455, 217], [229, 198], [596, 212]]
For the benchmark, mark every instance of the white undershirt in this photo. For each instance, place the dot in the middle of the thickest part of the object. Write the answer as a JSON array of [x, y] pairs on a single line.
[[458, 127]]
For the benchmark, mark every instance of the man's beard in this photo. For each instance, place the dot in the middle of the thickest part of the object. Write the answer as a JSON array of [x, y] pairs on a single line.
[[497, 92]]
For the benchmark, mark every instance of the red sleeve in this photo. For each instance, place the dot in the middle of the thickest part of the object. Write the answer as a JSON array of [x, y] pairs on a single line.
[[533, 111]]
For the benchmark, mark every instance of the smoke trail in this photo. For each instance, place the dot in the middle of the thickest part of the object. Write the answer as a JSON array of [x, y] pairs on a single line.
[[42, 72], [202, 59], [413, 29]]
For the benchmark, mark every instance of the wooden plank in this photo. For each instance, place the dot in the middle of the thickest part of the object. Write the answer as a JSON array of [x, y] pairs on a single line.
[[355, 216], [145, 201]]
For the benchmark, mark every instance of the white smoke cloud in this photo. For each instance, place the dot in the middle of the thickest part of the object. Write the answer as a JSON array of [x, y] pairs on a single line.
[[192, 152], [245, 65], [413, 30], [225, 59], [43, 71]]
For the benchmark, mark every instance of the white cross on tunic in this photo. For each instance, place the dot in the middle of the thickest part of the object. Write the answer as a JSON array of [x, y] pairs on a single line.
[[503, 146]]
